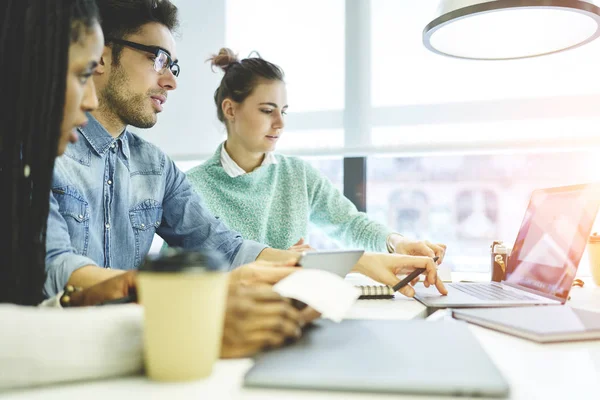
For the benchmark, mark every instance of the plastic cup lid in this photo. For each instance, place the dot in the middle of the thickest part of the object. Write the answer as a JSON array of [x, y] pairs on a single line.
[[176, 260]]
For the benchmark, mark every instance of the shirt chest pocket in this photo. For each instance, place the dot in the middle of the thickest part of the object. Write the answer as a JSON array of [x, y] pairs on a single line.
[[145, 219], [75, 211]]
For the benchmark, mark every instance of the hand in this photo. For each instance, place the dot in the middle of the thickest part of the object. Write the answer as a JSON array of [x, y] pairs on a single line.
[[384, 268], [262, 272], [301, 247], [121, 285], [309, 314], [257, 318], [411, 247]]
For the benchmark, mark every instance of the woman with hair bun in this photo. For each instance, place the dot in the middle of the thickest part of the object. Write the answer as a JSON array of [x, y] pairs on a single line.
[[268, 197]]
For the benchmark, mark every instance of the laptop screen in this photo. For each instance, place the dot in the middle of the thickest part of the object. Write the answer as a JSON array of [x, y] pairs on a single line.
[[552, 238]]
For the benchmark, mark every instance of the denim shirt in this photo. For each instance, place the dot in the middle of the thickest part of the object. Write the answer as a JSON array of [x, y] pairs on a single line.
[[110, 196]]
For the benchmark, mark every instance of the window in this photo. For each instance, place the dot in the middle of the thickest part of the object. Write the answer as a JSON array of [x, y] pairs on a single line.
[[309, 140], [305, 38], [405, 72], [423, 101], [467, 201], [332, 168], [466, 136]]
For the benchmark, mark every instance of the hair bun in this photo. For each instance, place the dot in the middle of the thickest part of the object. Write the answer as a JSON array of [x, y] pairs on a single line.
[[225, 59]]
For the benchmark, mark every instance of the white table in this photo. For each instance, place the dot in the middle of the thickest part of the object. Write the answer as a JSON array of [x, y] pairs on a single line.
[[534, 371]]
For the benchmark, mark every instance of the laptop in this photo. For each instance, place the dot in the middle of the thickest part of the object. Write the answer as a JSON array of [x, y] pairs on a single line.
[[389, 356], [544, 259]]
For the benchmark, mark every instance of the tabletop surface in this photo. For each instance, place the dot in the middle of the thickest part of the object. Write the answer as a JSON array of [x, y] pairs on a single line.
[[534, 371]]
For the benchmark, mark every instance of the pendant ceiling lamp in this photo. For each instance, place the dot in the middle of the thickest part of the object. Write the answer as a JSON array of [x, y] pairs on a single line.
[[511, 29]]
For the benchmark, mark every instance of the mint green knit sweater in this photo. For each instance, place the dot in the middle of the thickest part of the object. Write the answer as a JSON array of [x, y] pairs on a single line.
[[274, 203]]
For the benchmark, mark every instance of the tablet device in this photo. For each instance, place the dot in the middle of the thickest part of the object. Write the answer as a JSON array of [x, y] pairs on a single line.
[[339, 262]]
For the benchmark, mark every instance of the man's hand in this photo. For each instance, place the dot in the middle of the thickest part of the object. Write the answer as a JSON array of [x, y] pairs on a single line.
[[119, 286], [412, 247], [257, 318], [384, 268], [301, 247], [262, 272]]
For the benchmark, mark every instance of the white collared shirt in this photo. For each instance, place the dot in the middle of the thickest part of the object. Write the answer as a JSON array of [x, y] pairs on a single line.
[[233, 170]]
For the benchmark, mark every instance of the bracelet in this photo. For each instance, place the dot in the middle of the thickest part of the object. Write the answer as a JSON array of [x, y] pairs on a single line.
[[65, 299], [388, 245]]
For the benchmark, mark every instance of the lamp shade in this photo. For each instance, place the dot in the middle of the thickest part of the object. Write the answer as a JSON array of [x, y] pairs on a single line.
[[511, 29]]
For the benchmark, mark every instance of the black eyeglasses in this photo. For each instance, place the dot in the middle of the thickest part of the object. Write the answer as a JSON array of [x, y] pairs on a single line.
[[162, 59]]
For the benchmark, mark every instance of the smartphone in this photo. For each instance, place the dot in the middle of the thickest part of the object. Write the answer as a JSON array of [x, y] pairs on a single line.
[[339, 262]]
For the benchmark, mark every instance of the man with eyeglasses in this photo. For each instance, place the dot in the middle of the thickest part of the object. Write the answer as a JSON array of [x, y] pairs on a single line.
[[112, 190]]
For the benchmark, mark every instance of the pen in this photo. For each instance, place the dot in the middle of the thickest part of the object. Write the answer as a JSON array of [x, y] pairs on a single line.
[[410, 277]]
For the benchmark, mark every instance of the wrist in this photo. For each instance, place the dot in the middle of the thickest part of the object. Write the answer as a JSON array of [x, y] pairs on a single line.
[[90, 275], [392, 241], [276, 255], [363, 261]]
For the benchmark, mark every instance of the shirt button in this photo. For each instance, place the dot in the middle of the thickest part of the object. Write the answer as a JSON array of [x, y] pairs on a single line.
[[112, 146], [109, 182], [107, 226], [80, 216], [143, 225]]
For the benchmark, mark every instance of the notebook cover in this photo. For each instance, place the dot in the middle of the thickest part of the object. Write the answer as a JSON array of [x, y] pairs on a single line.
[[542, 324]]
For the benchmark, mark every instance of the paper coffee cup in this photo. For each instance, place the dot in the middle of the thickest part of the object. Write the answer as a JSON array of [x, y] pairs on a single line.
[[184, 297], [594, 256]]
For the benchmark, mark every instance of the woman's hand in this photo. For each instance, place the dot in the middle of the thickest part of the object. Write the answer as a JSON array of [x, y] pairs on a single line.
[[410, 247], [384, 268], [257, 318], [301, 247]]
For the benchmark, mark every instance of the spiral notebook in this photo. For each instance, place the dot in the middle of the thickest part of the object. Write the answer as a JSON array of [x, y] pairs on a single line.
[[374, 292]]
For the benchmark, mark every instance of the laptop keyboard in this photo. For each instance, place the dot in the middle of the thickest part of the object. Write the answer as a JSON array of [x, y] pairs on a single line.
[[485, 291]]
